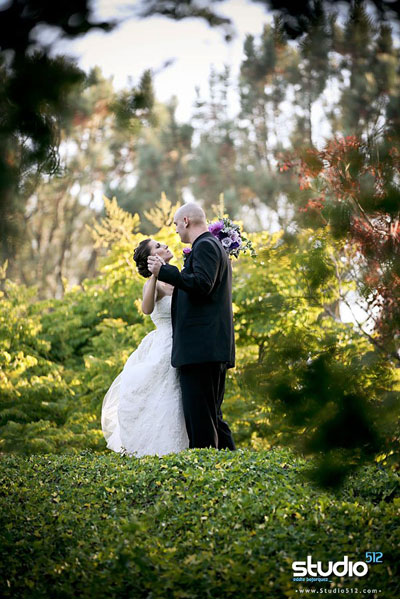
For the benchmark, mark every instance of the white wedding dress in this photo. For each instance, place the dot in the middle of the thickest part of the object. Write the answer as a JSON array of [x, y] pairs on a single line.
[[142, 411]]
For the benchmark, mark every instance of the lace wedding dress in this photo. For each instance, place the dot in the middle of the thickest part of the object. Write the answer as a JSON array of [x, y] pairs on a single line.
[[142, 411]]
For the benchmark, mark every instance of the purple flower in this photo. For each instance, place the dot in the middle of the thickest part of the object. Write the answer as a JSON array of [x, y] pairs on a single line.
[[215, 228], [187, 250], [229, 235]]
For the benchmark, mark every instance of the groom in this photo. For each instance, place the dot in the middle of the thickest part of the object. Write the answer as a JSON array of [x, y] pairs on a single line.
[[202, 322]]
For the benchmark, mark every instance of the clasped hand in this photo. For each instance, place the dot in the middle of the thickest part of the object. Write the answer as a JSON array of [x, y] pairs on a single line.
[[154, 264]]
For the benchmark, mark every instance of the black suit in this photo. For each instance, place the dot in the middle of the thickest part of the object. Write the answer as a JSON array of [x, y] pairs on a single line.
[[203, 338]]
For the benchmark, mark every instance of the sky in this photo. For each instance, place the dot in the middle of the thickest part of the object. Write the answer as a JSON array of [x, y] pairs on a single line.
[[190, 46]]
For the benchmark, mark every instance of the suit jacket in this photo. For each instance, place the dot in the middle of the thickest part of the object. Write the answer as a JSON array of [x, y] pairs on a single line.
[[202, 319]]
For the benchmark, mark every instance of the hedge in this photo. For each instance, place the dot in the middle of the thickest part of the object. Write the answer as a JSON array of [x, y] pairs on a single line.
[[198, 524]]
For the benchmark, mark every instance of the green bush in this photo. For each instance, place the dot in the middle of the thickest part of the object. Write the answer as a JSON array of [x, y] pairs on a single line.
[[302, 377], [197, 524]]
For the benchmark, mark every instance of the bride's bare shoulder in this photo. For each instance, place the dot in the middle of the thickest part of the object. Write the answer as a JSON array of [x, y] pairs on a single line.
[[163, 289], [160, 290]]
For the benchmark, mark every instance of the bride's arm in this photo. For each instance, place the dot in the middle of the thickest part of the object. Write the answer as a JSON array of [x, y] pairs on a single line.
[[149, 295]]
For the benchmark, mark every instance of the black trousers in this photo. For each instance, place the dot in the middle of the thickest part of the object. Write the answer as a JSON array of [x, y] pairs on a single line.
[[203, 387]]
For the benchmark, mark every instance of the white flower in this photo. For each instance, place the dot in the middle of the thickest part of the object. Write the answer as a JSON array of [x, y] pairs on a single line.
[[226, 242]]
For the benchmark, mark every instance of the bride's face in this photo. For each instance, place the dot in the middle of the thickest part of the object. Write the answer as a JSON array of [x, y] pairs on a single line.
[[160, 249]]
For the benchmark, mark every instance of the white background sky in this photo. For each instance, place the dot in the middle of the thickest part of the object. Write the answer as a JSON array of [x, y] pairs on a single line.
[[193, 46]]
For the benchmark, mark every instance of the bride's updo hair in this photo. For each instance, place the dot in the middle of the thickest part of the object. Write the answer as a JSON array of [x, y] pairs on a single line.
[[140, 255]]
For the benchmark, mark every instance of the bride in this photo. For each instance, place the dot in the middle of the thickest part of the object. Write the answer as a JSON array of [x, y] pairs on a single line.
[[142, 412]]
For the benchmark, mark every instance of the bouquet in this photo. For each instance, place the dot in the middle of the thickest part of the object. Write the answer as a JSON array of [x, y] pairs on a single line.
[[231, 237]]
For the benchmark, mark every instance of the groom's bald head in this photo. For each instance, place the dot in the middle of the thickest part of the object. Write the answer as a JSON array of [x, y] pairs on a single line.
[[193, 212], [190, 222]]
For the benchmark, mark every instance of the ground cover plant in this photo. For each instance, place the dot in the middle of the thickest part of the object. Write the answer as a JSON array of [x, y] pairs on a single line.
[[197, 524]]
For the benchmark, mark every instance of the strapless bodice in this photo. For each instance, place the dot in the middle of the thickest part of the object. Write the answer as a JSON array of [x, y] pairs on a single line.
[[161, 315]]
